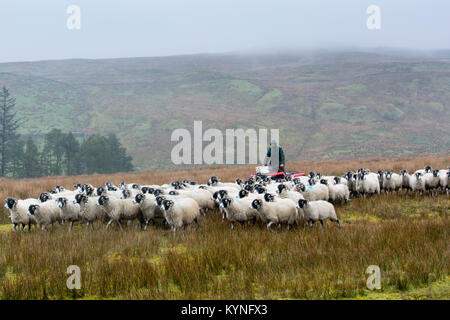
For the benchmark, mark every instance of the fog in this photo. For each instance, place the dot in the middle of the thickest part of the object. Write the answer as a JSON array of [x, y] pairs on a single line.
[[37, 30]]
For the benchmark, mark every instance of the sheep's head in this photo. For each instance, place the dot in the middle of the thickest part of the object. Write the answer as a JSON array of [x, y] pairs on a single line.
[[302, 203], [225, 203], [174, 193], [159, 200], [213, 180], [260, 189], [435, 173], [99, 191], [428, 169], [419, 175], [324, 181], [337, 180], [280, 188], [167, 204], [33, 209], [404, 172], [175, 183], [311, 181], [102, 200], [248, 188], [62, 202], [125, 194], [242, 193], [238, 182], [140, 197], [79, 198], [88, 189], [269, 197], [301, 187], [311, 174], [388, 175], [135, 186], [256, 204], [144, 189], [158, 192], [44, 196], [10, 203], [380, 173], [78, 187]]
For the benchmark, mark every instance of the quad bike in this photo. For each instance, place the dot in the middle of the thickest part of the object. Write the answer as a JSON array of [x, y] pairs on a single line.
[[267, 171]]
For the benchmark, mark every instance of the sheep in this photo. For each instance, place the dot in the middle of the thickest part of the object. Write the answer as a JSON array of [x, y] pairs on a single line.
[[444, 180], [315, 192], [238, 210], [278, 212], [392, 181], [320, 210], [119, 209], [406, 178], [417, 182], [45, 213], [432, 181], [336, 192], [68, 211], [128, 186], [180, 212], [284, 193], [340, 180], [426, 169], [127, 193], [149, 209], [367, 183], [18, 212], [202, 197], [380, 175], [89, 210], [215, 182]]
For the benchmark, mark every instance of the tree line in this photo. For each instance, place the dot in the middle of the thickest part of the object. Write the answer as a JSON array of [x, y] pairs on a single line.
[[59, 153]]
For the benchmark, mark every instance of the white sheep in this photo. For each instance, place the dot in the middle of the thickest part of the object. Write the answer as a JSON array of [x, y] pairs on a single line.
[[201, 196], [46, 213], [367, 183], [68, 211], [336, 192], [314, 211], [89, 210], [282, 211], [406, 178], [180, 212], [444, 180], [392, 181], [417, 183], [315, 192], [284, 193], [432, 181], [238, 210], [18, 212], [149, 208], [119, 209], [215, 182]]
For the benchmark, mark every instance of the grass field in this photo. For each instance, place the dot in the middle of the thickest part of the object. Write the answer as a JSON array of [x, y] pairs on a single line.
[[407, 236]]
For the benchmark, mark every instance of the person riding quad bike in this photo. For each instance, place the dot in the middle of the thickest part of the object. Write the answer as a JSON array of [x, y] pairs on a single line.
[[277, 161]]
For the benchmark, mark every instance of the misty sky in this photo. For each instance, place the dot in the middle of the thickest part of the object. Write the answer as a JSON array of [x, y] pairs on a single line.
[[36, 29]]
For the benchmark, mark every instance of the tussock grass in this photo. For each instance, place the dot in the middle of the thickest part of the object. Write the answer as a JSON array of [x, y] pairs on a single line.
[[406, 235]]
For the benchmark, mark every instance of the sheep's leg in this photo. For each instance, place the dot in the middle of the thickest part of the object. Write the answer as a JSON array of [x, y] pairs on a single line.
[[14, 227], [70, 226], [109, 223], [269, 224], [321, 223], [53, 226], [338, 223], [23, 227], [87, 225], [29, 226], [232, 225], [92, 225], [120, 226]]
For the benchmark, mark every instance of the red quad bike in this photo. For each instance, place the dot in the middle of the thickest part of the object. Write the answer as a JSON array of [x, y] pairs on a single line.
[[263, 172]]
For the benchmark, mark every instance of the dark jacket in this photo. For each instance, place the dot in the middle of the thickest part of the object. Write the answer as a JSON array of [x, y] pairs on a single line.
[[281, 154]]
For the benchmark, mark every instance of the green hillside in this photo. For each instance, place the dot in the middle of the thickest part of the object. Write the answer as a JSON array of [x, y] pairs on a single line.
[[327, 105]]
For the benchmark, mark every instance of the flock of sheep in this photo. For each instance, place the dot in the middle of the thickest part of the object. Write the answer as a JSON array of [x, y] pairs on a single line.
[[178, 204]]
